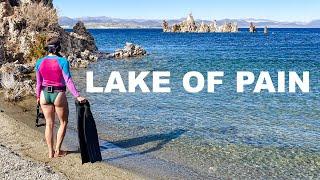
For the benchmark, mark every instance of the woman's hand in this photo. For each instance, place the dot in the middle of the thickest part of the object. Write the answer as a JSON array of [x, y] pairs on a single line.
[[81, 99], [38, 100]]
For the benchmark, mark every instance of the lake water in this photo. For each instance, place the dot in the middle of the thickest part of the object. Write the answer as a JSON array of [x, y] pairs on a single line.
[[223, 133]]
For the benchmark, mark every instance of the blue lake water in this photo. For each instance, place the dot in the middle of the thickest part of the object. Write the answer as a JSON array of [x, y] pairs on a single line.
[[279, 120]]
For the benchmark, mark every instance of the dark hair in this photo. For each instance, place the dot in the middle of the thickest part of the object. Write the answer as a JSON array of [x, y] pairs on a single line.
[[53, 45]]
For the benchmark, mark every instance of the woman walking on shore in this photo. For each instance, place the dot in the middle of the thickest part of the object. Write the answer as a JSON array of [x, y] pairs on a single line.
[[53, 76]]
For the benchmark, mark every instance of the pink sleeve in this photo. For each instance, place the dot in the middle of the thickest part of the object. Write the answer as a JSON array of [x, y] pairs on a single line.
[[69, 82], [39, 83]]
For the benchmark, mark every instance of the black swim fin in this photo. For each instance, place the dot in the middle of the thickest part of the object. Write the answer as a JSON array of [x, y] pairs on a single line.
[[87, 133], [39, 116]]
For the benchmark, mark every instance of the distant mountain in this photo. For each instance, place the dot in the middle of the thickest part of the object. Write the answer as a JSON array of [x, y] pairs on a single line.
[[108, 22], [65, 21], [314, 24]]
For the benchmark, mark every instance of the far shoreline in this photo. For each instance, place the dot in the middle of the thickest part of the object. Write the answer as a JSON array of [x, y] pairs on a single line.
[[159, 28]]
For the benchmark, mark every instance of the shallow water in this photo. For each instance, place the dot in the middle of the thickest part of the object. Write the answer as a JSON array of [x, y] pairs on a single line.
[[183, 128]]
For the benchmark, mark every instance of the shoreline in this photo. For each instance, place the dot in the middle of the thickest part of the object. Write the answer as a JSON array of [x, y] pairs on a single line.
[[118, 163], [19, 136], [159, 28]]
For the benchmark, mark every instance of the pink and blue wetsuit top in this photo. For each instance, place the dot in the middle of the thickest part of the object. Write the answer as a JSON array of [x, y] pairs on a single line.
[[54, 71]]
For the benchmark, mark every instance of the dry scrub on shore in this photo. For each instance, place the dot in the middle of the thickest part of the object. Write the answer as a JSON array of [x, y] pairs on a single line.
[[45, 16]]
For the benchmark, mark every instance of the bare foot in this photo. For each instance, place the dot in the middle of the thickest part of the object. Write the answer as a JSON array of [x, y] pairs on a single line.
[[51, 154], [60, 153]]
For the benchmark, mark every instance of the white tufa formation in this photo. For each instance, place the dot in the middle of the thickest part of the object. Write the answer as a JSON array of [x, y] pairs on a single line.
[[190, 25]]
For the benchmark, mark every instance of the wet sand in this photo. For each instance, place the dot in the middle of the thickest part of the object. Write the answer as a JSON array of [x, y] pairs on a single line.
[[18, 134]]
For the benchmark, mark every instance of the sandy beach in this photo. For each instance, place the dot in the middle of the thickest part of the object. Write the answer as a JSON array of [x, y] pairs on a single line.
[[23, 153]]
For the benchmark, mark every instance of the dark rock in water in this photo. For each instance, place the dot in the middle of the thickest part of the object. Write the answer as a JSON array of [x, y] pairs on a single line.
[[81, 30], [103, 55], [252, 28], [82, 33]]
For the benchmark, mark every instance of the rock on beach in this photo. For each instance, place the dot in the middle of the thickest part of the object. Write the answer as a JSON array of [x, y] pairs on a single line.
[[16, 80]]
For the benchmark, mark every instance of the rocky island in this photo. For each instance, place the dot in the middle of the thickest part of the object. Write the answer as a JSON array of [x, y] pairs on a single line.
[[190, 25], [252, 28], [129, 50]]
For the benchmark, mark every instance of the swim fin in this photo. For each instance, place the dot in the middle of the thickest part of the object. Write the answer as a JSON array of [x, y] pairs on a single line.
[[39, 116], [87, 133]]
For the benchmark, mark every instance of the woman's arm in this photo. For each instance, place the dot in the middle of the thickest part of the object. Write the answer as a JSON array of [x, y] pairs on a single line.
[[68, 79], [39, 83]]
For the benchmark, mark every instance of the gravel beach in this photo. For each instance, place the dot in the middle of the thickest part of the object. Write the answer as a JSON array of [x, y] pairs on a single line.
[[13, 166]]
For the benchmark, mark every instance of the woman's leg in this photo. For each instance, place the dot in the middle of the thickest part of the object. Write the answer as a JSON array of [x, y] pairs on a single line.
[[62, 110], [48, 111]]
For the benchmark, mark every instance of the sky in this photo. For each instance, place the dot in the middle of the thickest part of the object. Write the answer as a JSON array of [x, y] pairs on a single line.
[[281, 10]]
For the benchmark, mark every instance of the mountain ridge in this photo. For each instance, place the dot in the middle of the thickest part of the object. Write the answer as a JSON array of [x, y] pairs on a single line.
[[105, 22]]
